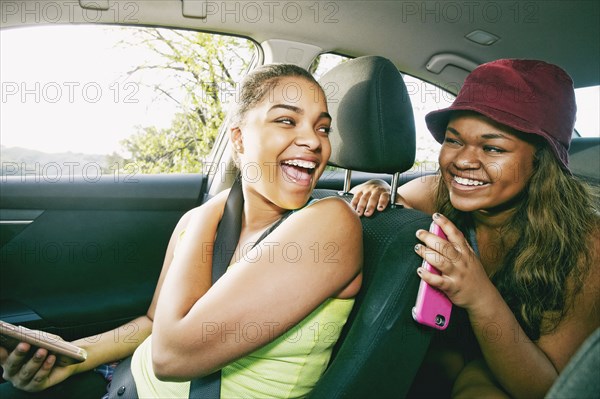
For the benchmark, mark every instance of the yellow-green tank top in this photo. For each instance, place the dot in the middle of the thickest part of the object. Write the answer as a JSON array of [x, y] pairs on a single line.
[[287, 367]]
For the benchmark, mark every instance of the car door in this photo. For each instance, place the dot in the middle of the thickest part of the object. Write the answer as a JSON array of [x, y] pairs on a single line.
[[79, 257]]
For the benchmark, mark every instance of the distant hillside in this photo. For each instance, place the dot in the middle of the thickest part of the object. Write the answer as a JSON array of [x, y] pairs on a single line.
[[17, 161]]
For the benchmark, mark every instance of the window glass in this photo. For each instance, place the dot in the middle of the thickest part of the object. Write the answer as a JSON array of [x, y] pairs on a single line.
[[588, 104], [324, 62], [96, 99], [425, 98]]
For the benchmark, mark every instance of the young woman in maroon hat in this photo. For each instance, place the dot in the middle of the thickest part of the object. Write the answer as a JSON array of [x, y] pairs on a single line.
[[522, 259]]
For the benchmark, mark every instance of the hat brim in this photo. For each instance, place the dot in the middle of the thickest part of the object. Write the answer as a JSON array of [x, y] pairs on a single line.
[[437, 121]]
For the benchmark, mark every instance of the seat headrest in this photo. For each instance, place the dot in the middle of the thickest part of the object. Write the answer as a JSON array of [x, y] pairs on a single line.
[[373, 122]]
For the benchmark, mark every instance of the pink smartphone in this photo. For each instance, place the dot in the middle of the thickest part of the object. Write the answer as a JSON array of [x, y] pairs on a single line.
[[433, 307], [66, 353]]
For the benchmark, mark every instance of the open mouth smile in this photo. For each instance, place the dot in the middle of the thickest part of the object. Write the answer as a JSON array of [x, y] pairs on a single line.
[[463, 181], [299, 171]]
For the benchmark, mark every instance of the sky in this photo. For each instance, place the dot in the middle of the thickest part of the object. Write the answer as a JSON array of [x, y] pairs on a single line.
[[78, 97]]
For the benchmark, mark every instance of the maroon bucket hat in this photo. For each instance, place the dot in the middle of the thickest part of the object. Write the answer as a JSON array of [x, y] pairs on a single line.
[[527, 95]]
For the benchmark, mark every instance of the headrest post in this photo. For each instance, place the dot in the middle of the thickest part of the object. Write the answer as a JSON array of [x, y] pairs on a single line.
[[347, 182], [394, 192]]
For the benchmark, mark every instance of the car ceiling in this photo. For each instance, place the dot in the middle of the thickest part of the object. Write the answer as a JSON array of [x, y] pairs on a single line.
[[409, 33]]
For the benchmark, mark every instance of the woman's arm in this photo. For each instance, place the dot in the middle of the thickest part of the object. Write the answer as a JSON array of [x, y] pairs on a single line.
[[522, 367], [314, 255], [375, 195], [476, 381], [528, 369]]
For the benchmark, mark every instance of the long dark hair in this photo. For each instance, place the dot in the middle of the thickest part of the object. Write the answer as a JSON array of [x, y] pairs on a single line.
[[547, 266]]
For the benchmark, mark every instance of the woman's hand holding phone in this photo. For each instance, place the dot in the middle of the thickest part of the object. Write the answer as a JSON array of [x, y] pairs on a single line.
[[30, 359], [463, 278], [67, 353], [432, 308]]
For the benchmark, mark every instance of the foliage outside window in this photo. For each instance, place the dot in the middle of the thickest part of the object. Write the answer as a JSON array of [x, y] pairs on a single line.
[[103, 99]]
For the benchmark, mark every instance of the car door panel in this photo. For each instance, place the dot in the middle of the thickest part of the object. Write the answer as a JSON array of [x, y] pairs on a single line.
[[80, 257]]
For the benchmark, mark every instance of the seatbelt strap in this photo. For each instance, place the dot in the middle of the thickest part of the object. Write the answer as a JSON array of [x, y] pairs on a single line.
[[228, 236], [228, 231]]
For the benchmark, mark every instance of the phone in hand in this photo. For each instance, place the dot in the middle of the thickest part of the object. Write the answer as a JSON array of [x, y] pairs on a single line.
[[66, 353], [432, 308]]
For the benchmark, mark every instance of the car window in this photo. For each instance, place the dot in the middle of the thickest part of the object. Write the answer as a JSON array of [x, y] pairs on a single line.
[[426, 97], [588, 104], [324, 62], [88, 100]]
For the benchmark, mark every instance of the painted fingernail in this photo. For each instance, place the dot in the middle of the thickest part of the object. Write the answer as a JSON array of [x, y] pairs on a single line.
[[417, 247], [419, 271], [436, 215]]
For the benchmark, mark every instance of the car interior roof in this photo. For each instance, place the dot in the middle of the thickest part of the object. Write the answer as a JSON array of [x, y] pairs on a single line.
[[409, 33]]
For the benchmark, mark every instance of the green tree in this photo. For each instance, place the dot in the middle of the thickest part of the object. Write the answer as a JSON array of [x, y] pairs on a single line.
[[199, 72]]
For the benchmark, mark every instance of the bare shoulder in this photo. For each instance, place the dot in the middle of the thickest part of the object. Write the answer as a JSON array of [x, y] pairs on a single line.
[[334, 203], [325, 220], [215, 205], [333, 209], [331, 225]]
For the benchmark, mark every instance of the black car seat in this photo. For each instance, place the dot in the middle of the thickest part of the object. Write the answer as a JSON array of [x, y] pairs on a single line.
[[381, 347]]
